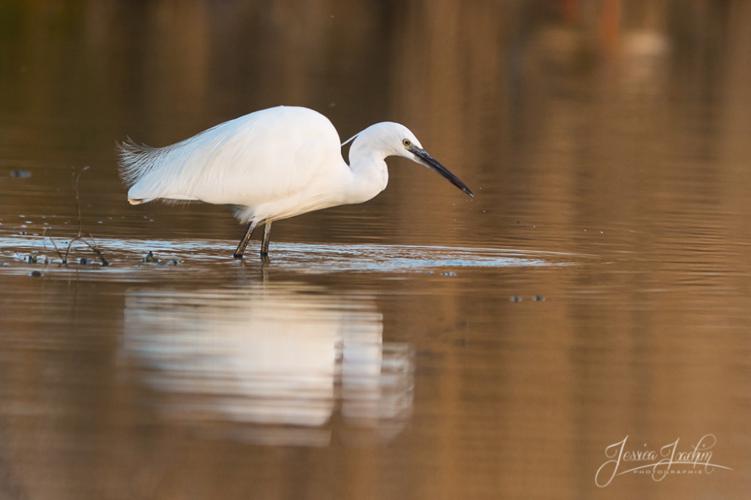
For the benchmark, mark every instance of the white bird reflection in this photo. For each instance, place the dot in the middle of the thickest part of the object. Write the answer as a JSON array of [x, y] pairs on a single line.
[[281, 356]]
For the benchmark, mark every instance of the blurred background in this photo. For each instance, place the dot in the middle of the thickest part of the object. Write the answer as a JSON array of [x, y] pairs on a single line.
[[602, 288], [585, 111]]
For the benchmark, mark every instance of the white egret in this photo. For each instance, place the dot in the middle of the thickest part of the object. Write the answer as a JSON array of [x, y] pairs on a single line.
[[272, 164]]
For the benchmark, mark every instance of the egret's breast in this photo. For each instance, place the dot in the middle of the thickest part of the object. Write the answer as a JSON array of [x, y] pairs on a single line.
[[325, 190]]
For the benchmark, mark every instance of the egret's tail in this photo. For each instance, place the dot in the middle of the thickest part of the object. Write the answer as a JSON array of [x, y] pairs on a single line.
[[135, 161], [193, 169], [139, 168]]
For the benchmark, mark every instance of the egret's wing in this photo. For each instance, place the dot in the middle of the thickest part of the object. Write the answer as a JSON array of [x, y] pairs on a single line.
[[246, 161]]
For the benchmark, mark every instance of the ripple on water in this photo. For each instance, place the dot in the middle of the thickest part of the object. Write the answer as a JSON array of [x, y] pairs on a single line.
[[127, 255]]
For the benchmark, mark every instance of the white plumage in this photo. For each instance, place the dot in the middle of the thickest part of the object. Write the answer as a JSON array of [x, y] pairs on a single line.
[[273, 164]]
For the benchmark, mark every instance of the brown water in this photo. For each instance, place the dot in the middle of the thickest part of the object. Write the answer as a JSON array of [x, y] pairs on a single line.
[[421, 345]]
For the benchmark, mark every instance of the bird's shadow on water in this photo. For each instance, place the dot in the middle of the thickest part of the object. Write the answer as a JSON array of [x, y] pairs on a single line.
[[133, 257]]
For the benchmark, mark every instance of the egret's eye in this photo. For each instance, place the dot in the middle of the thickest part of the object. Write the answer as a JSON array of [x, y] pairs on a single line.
[[406, 143]]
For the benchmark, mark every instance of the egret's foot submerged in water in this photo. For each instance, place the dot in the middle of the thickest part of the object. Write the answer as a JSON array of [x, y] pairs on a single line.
[[265, 242], [240, 250]]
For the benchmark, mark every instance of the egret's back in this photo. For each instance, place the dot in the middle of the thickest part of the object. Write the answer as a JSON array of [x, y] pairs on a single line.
[[254, 159]]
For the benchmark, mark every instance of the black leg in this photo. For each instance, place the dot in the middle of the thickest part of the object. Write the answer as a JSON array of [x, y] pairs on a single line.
[[266, 238], [244, 241]]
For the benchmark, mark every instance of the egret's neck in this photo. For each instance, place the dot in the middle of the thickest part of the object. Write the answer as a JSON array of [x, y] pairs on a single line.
[[369, 173]]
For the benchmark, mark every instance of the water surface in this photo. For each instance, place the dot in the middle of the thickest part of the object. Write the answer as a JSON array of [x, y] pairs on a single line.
[[418, 346]]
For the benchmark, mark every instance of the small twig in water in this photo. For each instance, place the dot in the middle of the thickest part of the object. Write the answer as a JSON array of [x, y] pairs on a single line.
[[54, 245], [77, 192], [79, 236], [94, 248]]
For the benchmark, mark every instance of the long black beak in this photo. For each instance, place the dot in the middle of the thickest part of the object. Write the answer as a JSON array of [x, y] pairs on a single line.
[[431, 162]]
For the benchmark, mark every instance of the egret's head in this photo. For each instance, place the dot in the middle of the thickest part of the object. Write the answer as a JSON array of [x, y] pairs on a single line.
[[394, 139]]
